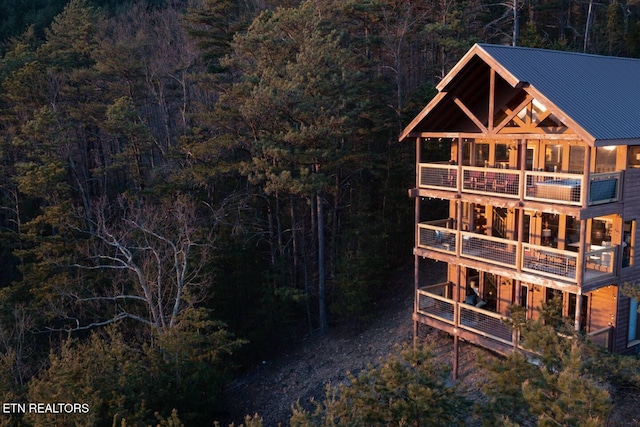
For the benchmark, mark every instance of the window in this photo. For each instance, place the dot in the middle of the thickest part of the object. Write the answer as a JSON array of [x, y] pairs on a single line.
[[553, 158], [634, 335], [584, 306], [572, 233], [466, 152], [606, 159], [482, 154], [633, 156], [628, 239], [502, 153], [576, 159], [601, 229], [524, 298]]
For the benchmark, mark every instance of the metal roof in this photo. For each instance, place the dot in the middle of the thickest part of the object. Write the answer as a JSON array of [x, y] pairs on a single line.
[[599, 93]]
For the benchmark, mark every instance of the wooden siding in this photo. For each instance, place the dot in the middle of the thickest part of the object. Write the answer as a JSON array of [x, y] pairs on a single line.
[[602, 308], [631, 197], [631, 193], [622, 326]]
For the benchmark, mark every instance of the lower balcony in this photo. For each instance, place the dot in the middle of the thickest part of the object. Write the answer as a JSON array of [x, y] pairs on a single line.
[[595, 263], [435, 308]]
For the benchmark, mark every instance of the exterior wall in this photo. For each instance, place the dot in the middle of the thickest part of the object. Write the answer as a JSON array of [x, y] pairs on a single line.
[[472, 206], [505, 295], [631, 197], [536, 298], [622, 326], [602, 308]]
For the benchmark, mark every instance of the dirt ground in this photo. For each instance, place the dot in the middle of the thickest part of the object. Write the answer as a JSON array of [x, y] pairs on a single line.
[[304, 371]]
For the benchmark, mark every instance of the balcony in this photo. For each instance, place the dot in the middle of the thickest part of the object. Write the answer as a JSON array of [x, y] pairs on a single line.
[[596, 262], [551, 187], [435, 307]]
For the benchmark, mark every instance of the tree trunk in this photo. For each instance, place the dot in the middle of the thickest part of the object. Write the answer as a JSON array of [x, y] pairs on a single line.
[[322, 297]]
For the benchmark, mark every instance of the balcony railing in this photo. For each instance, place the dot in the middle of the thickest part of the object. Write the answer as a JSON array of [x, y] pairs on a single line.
[[549, 262], [433, 303], [602, 337], [488, 248], [434, 236], [553, 187], [502, 182], [597, 261]]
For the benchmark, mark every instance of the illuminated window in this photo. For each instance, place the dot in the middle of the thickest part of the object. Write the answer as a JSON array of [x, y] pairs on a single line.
[[606, 159], [633, 156]]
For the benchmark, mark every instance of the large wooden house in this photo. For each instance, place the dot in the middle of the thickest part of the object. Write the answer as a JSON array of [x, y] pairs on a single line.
[[542, 183]]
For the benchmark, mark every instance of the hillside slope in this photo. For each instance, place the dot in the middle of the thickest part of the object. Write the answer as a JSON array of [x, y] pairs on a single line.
[[305, 370]]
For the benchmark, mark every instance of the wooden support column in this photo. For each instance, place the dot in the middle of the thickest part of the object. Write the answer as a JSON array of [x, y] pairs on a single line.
[[578, 311], [515, 335], [492, 91], [522, 166], [416, 258], [587, 174], [456, 323], [580, 261]]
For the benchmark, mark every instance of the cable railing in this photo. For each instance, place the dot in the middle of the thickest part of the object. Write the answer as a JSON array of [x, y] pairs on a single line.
[[553, 187], [438, 176]]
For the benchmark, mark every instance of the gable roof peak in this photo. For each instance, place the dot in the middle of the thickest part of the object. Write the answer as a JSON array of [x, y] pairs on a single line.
[[597, 93]]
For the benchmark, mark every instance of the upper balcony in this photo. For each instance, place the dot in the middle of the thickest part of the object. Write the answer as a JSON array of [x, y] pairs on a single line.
[[548, 187], [587, 264]]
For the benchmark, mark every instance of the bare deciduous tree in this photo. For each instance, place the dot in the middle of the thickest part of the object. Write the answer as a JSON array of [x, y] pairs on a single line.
[[157, 253]]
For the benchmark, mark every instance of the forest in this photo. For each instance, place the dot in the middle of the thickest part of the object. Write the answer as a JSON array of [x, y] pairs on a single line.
[[186, 186]]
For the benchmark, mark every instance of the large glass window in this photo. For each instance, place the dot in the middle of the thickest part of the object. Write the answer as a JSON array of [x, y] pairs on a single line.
[[553, 158], [606, 159], [524, 297], [482, 154], [572, 233], [634, 317], [466, 152], [502, 154], [601, 230], [576, 159], [584, 306], [550, 226]]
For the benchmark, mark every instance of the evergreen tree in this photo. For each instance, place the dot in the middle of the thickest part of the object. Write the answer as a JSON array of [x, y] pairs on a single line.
[[408, 388], [551, 382]]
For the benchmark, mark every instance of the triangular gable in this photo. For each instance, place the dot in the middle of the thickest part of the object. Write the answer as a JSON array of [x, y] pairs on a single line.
[[462, 103]]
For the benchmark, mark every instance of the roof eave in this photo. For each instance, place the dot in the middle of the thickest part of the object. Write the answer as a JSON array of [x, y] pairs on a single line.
[[478, 50], [562, 116], [425, 111]]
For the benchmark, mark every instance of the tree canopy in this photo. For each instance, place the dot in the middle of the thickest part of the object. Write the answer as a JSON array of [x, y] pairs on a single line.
[[187, 186]]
